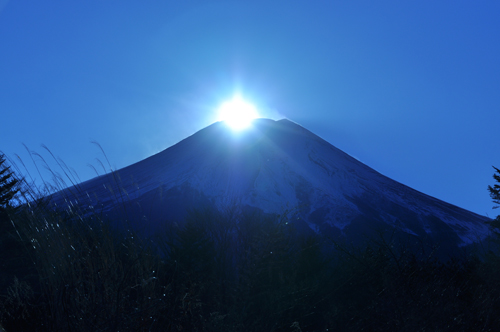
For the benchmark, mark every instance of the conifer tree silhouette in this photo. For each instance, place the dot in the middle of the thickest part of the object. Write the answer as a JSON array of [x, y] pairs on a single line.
[[495, 189], [8, 184]]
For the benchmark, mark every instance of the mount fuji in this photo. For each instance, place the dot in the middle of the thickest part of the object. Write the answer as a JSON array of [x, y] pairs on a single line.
[[274, 166]]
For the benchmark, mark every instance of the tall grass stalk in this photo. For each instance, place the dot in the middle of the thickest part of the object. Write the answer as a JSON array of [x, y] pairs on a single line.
[[90, 277]]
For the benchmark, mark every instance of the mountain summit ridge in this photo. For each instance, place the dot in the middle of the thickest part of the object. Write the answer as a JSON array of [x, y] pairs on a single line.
[[277, 165]]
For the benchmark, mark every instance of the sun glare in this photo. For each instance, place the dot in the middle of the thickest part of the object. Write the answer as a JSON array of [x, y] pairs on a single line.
[[237, 113]]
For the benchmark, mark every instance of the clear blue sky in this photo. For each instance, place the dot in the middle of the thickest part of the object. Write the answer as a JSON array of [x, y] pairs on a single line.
[[410, 88]]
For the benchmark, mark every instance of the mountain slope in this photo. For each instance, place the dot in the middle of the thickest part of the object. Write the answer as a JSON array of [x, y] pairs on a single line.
[[277, 165]]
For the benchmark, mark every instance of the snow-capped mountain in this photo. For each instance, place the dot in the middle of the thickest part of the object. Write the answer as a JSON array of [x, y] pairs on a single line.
[[273, 167]]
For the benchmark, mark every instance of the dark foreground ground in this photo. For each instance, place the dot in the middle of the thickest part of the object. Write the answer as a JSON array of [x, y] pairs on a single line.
[[63, 272]]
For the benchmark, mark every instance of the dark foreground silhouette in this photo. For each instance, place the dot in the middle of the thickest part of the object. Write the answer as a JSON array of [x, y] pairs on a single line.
[[231, 272]]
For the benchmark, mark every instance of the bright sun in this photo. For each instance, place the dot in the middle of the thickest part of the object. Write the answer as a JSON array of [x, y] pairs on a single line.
[[237, 113]]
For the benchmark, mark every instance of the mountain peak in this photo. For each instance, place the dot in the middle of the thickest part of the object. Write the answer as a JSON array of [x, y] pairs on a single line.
[[277, 165]]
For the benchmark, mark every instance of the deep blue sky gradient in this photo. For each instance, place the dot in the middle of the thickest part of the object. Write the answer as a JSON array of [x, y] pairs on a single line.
[[410, 88]]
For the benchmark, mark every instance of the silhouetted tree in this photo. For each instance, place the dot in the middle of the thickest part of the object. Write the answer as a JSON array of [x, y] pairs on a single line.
[[8, 184], [495, 189], [13, 262]]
